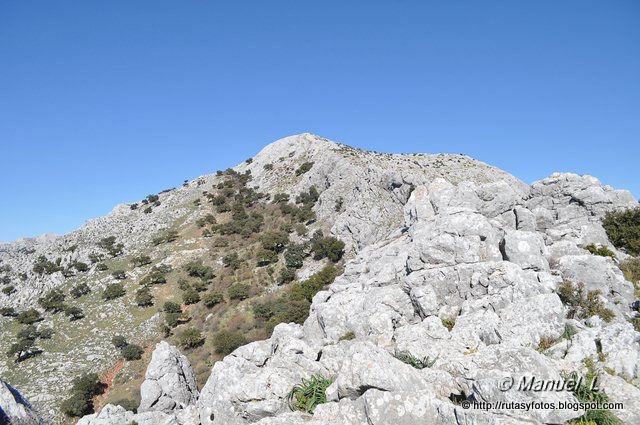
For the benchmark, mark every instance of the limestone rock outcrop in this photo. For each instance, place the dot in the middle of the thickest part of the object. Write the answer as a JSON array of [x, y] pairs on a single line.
[[485, 259], [169, 381]]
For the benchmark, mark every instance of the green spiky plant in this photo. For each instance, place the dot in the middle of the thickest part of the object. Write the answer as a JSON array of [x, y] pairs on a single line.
[[411, 360], [587, 394], [308, 394]]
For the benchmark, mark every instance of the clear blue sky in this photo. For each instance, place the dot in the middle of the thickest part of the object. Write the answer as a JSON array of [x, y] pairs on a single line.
[[103, 102]]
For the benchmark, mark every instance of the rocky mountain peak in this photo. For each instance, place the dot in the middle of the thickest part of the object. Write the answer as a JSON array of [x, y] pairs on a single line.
[[455, 275]]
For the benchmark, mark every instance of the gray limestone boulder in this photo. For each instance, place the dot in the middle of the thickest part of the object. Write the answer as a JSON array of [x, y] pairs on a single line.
[[169, 381], [527, 249], [117, 415], [597, 274]]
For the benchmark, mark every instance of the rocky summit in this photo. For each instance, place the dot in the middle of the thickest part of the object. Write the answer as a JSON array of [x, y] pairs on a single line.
[[396, 289]]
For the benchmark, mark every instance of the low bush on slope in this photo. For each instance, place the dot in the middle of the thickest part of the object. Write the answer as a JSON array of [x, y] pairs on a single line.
[[223, 297], [623, 229]]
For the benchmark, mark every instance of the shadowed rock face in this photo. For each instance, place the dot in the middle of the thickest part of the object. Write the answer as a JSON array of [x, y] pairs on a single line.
[[14, 409], [433, 240]]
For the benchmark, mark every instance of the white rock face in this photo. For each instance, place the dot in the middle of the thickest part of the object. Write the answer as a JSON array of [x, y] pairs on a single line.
[[169, 381], [14, 409]]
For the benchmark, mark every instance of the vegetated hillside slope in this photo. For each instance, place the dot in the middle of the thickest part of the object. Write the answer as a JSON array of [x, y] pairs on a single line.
[[452, 266]]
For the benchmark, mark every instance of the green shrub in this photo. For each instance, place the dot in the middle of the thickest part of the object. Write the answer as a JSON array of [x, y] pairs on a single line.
[[197, 269], [305, 167], [119, 341], [29, 316], [266, 257], [45, 333], [348, 336], [74, 313], [113, 291], [448, 323], [8, 312], [308, 394], [119, 274], [308, 199], [307, 289], [212, 298], [545, 343], [183, 284], [292, 311], [141, 260], [168, 236], [231, 260], [294, 256], [223, 208], [144, 297], [267, 309], [631, 269], [172, 319], [84, 389], [101, 267], [172, 307], [587, 392], [131, 352], [411, 360], [274, 241], [238, 291], [53, 301], [22, 350], [328, 247], [209, 218], [28, 332], [623, 230], [199, 286], [44, 266], [602, 251], [280, 198], [190, 296], [583, 304], [155, 277], [301, 229], [226, 342], [220, 242], [80, 266], [569, 332], [79, 290], [147, 210], [109, 244], [286, 275], [8, 290], [191, 338], [77, 405], [162, 268], [95, 257]]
